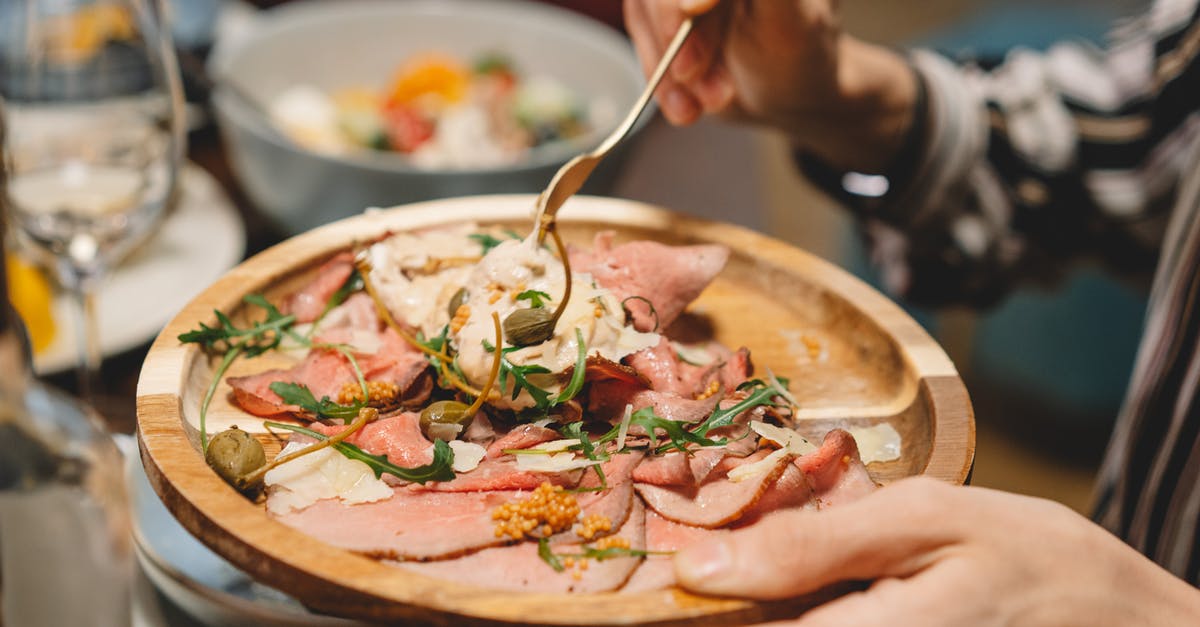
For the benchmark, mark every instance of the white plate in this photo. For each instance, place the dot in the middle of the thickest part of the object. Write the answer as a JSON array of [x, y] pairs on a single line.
[[201, 239]]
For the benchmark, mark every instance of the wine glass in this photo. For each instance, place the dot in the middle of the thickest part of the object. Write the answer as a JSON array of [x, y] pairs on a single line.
[[94, 108]]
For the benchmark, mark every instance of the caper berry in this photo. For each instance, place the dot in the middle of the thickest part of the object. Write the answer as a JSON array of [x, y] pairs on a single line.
[[233, 453], [444, 420], [526, 327], [456, 301]]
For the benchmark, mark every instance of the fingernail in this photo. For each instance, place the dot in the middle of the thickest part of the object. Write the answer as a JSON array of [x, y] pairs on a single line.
[[704, 561]]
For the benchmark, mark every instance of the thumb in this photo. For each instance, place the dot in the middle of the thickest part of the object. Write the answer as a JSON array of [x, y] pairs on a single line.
[[894, 532]]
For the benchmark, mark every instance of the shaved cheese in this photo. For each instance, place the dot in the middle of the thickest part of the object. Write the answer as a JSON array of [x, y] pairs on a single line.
[[786, 438], [557, 445], [623, 429], [467, 455], [880, 443], [778, 387], [694, 355], [792, 445], [322, 474], [554, 462], [746, 471]]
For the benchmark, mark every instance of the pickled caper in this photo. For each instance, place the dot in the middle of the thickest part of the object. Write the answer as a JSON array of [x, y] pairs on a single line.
[[444, 420], [234, 453], [526, 327], [456, 301]]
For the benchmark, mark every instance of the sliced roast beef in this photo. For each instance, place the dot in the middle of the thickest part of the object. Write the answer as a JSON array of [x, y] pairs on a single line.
[[715, 502], [607, 399], [613, 503], [501, 474], [662, 366], [519, 567], [669, 277], [409, 525], [308, 303], [521, 437], [325, 372], [678, 469], [667, 536], [835, 471], [790, 490], [399, 437]]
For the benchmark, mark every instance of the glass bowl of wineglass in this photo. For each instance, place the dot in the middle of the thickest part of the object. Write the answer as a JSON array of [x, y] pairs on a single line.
[[94, 108]]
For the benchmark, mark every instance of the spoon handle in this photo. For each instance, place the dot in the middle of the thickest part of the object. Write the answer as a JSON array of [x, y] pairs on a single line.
[[571, 176]]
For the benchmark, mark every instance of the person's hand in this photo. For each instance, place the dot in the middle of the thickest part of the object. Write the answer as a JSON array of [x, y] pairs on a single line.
[[944, 555], [782, 63]]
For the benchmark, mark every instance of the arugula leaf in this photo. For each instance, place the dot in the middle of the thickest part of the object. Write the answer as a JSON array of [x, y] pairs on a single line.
[[536, 299], [677, 434], [541, 398], [576, 383], [653, 311], [762, 394], [548, 556], [554, 560], [440, 469], [300, 396], [255, 339]]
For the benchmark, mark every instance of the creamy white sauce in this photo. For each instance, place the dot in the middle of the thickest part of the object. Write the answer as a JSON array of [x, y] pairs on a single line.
[[516, 266], [322, 474], [420, 300]]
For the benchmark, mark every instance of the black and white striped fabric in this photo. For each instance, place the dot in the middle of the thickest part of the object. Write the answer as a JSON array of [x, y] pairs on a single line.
[[1077, 153]]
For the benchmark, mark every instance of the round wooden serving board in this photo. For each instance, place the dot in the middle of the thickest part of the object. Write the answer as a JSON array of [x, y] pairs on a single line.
[[853, 357]]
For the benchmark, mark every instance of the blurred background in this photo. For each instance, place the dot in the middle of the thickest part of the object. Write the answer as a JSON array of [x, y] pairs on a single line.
[[1046, 368]]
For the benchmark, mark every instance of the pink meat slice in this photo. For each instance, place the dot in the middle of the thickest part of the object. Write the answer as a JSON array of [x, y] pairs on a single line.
[[716, 502], [677, 469], [607, 399], [408, 525], [615, 503], [501, 474], [836, 472], [308, 303], [399, 437], [325, 371], [658, 571], [522, 437], [670, 277], [322, 371], [661, 366], [519, 568]]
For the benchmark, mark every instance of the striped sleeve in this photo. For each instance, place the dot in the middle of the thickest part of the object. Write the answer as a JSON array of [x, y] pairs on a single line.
[[1042, 159]]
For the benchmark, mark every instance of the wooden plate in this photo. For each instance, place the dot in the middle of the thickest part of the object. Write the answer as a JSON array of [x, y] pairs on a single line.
[[852, 355]]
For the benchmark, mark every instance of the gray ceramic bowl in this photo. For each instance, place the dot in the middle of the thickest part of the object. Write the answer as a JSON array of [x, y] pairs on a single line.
[[362, 42]]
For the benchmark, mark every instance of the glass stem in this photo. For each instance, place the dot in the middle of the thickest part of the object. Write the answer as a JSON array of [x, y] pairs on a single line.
[[87, 339]]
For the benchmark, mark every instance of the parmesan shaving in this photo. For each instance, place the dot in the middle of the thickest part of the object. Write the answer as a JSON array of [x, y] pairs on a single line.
[[746, 471], [623, 429], [786, 438], [694, 355], [322, 474], [554, 462], [467, 455], [880, 443], [778, 387]]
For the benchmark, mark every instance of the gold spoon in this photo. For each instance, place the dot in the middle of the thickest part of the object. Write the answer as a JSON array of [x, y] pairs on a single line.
[[571, 176]]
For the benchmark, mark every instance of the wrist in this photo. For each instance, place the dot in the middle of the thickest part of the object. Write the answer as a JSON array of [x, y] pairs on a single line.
[[865, 124]]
